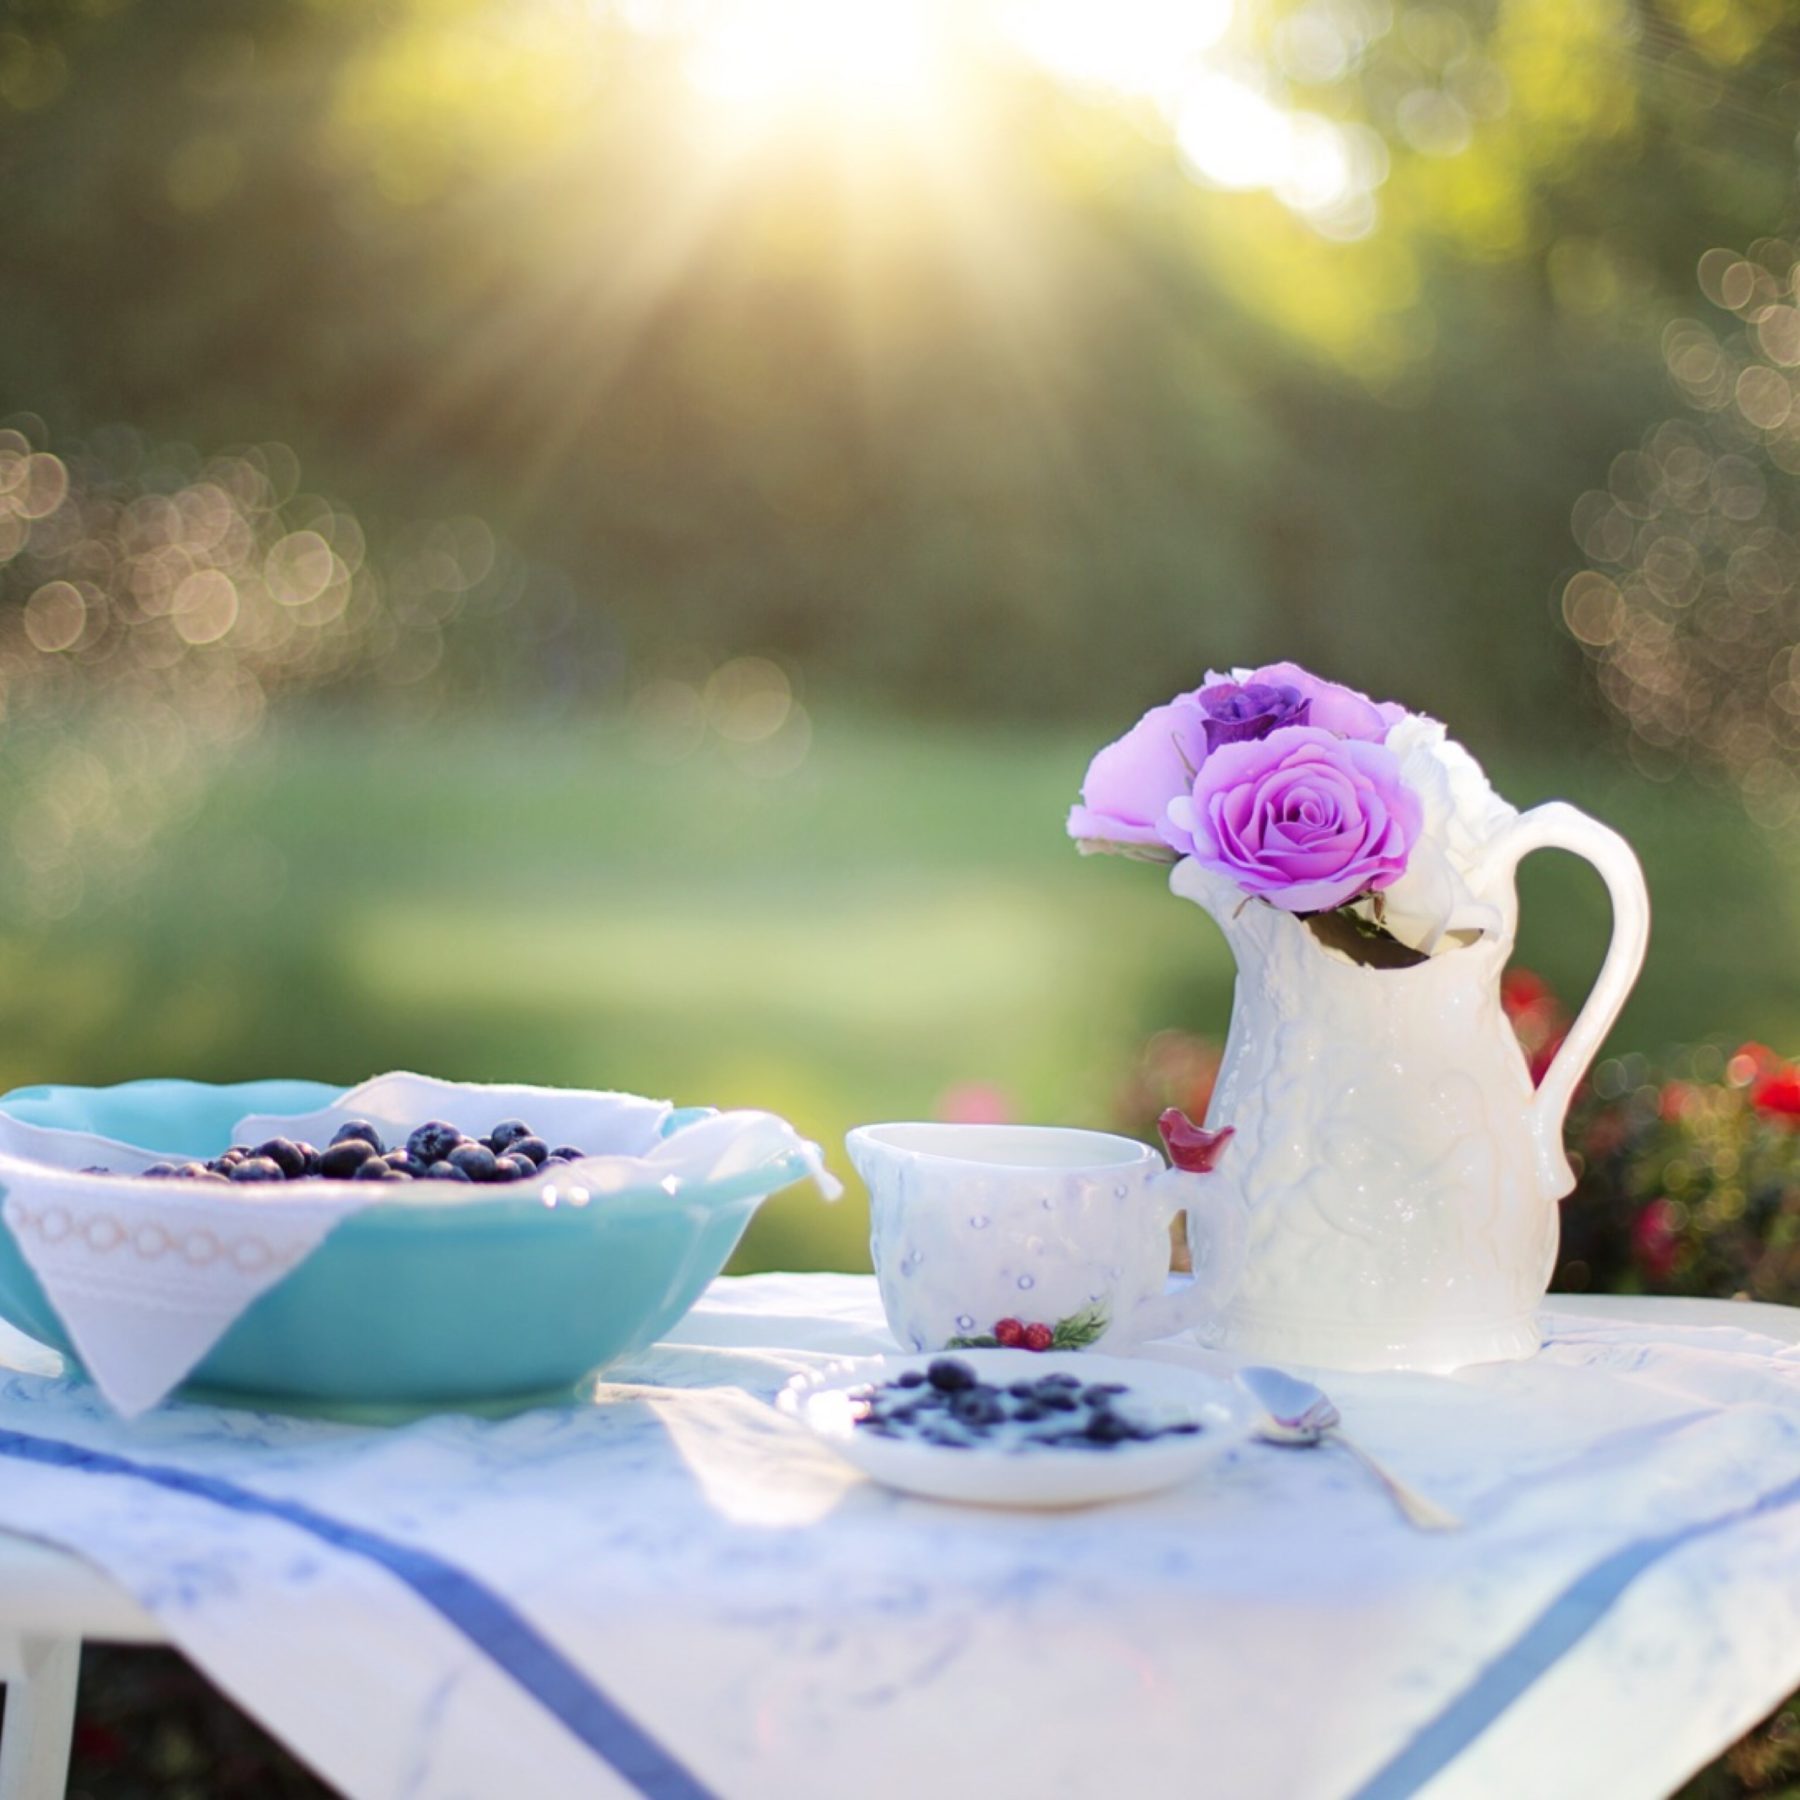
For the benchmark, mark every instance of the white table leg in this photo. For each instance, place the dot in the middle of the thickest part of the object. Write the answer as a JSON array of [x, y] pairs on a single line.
[[40, 1716]]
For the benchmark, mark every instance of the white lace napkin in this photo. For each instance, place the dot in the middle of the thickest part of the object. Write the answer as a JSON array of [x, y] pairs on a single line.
[[146, 1276]]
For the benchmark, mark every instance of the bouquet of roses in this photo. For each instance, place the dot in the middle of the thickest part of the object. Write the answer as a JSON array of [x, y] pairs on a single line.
[[1307, 796]]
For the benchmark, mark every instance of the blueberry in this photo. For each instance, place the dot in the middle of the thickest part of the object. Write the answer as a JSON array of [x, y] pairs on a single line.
[[288, 1157], [1187, 1428], [509, 1131], [360, 1128], [343, 1159], [568, 1153], [907, 1378], [513, 1168], [474, 1161], [446, 1171], [405, 1162], [948, 1375], [155, 1169], [1029, 1413], [533, 1147], [1061, 1379], [1109, 1428], [433, 1141], [240, 1151], [309, 1157], [257, 1168], [1056, 1397], [377, 1170], [972, 1407], [190, 1171], [1100, 1396]]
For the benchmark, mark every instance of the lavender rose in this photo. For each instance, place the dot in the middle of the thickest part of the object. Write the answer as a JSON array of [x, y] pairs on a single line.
[[1236, 712], [1130, 783], [1329, 705], [1302, 817]]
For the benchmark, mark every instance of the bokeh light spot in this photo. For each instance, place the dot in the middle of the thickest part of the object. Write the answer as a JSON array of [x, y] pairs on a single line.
[[298, 568], [204, 607], [55, 616]]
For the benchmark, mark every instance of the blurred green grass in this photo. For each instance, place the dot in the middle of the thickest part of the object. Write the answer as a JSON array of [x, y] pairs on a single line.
[[535, 902]]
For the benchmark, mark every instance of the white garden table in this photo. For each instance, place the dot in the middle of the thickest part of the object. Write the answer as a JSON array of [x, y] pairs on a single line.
[[52, 1601]]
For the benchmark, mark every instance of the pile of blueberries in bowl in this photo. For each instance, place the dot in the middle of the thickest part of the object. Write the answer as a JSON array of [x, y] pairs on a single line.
[[436, 1151]]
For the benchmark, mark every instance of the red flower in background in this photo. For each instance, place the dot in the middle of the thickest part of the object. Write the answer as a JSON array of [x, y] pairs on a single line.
[[1656, 1239], [1749, 1061], [1175, 1068], [1537, 1018], [1522, 989], [1776, 1095], [1674, 1100], [975, 1103], [1605, 1133]]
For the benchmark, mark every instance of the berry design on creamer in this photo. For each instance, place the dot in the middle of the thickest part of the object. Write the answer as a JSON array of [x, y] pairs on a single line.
[[1076, 1332]]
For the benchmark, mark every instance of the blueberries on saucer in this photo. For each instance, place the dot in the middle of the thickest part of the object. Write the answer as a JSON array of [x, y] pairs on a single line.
[[948, 1406]]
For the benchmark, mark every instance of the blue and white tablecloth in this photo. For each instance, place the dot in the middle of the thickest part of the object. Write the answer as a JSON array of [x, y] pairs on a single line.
[[671, 1591]]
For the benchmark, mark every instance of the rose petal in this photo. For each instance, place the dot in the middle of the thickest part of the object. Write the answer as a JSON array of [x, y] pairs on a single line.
[[1130, 783], [1304, 817]]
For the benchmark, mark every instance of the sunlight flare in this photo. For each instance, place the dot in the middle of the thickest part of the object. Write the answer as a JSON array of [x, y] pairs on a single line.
[[875, 57]]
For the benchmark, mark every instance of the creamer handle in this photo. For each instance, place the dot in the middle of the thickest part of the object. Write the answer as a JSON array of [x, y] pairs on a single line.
[[1219, 1240], [1559, 826]]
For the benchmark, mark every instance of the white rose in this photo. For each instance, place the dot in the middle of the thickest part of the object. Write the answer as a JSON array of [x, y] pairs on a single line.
[[1439, 893]]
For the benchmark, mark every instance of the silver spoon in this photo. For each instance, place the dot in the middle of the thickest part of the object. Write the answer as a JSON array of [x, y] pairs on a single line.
[[1299, 1413]]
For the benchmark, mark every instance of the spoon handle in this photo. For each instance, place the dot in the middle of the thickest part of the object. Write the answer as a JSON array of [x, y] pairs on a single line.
[[1426, 1514]]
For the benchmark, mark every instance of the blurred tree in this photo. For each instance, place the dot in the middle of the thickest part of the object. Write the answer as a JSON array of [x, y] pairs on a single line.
[[1009, 402]]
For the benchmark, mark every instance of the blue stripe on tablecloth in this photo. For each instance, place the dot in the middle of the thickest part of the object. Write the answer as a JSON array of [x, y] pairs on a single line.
[[1544, 1642], [480, 1614]]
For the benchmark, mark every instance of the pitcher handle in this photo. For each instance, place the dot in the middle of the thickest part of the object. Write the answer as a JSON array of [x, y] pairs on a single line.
[[1219, 1241], [1559, 826]]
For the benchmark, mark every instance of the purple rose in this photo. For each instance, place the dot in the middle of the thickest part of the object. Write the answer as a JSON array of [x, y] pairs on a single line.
[[1330, 706], [1303, 817], [1237, 713], [1130, 783]]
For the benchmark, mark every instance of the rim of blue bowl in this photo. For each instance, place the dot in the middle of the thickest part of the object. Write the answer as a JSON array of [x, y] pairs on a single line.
[[443, 1201]]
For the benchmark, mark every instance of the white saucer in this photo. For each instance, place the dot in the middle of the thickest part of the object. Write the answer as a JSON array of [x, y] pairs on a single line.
[[1033, 1475]]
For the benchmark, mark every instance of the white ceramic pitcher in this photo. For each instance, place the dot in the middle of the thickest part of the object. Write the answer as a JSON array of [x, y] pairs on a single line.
[[1398, 1173]]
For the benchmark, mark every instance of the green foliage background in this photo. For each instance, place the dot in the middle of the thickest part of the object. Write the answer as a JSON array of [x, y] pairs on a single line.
[[1028, 421]]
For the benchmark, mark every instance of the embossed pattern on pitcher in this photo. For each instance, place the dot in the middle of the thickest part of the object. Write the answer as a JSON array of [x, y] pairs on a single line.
[[1399, 1173]]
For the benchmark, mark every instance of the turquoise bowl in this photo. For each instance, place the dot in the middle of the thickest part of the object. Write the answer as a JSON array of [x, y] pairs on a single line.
[[409, 1307]]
